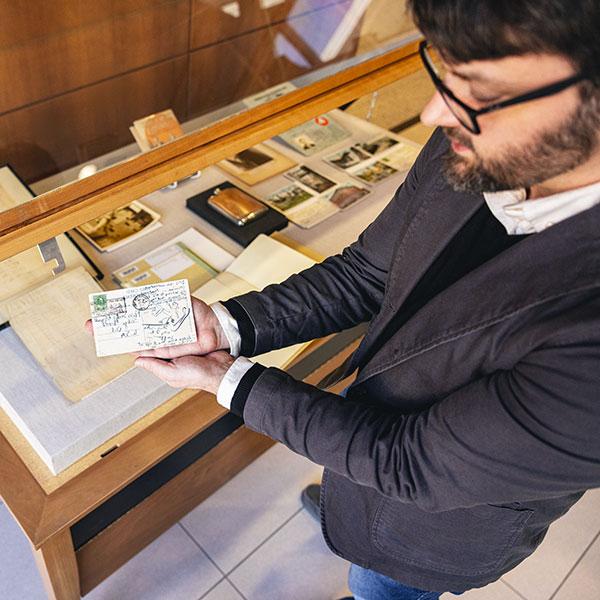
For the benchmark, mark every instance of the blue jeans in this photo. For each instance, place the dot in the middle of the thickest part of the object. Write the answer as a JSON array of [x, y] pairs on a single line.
[[369, 585]]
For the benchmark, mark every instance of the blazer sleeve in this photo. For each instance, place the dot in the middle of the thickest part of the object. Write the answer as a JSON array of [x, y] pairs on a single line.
[[336, 294], [527, 433]]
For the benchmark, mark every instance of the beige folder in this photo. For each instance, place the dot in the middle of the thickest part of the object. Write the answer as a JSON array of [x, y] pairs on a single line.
[[50, 322]]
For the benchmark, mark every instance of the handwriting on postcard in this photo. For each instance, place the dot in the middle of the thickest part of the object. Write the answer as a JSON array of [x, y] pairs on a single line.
[[150, 316]]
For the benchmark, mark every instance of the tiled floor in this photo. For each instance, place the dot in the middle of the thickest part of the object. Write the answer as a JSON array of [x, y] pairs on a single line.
[[253, 540]]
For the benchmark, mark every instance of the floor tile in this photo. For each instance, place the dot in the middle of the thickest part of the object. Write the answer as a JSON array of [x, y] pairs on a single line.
[[584, 582], [539, 576], [19, 577], [249, 508], [494, 591], [223, 591], [294, 564], [171, 568]]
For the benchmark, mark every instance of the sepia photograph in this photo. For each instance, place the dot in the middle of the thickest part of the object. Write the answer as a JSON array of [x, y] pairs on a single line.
[[375, 172], [311, 179], [304, 142], [249, 159], [119, 226], [156, 130], [378, 145], [255, 164], [346, 195], [349, 157]]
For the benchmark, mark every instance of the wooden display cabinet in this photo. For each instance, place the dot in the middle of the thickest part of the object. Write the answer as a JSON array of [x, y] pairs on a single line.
[[91, 518]]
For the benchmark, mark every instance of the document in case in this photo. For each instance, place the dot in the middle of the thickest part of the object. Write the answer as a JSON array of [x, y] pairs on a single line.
[[314, 198], [120, 226], [263, 262], [155, 130], [49, 320], [13, 192], [255, 164], [375, 161], [314, 136], [142, 318], [26, 270], [190, 255]]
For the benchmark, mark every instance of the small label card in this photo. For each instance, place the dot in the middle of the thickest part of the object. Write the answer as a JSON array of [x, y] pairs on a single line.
[[142, 318]]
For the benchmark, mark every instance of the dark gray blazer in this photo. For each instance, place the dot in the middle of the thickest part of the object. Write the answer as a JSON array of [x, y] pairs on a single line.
[[477, 424]]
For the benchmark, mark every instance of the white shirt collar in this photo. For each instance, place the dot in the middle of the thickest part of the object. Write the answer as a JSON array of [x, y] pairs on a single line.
[[520, 216]]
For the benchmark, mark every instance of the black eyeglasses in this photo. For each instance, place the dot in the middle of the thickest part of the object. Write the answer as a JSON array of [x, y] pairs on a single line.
[[465, 114]]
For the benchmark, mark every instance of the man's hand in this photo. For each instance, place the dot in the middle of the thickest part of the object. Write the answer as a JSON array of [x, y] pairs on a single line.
[[211, 336], [194, 372]]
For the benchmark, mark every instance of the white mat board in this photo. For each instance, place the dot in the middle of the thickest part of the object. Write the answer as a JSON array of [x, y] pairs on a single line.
[[60, 431]]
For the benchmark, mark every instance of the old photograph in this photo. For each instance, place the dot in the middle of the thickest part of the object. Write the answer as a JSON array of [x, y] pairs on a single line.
[[375, 172], [346, 195], [311, 179], [349, 157], [255, 164], [119, 226], [288, 197], [378, 145]]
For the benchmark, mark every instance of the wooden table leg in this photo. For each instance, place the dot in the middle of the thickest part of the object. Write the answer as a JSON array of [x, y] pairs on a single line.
[[58, 567]]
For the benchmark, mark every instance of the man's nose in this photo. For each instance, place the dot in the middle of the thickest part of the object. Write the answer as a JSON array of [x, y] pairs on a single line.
[[437, 114]]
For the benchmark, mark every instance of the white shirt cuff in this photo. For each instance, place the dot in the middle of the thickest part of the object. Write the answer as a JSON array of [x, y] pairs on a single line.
[[231, 380], [230, 328]]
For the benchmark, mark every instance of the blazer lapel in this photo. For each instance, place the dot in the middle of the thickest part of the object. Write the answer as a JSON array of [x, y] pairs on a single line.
[[560, 260], [441, 215]]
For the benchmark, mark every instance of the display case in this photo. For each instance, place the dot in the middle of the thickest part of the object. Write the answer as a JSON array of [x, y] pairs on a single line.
[[235, 74]]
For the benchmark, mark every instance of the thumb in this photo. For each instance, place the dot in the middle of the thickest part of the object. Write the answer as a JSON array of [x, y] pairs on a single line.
[[89, 328]]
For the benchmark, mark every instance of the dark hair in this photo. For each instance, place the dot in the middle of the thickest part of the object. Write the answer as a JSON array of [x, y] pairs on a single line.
[[466, 30]]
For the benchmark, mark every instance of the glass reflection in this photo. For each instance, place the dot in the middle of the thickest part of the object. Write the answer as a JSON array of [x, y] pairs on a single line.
[[75, 80]]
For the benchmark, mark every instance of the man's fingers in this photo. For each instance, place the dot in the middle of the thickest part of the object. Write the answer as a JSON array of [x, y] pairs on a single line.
[[89, 328], [194, 372], [163, 369], [169, 352]]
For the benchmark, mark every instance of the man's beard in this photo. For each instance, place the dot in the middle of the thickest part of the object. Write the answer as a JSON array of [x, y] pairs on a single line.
[[547, 155]]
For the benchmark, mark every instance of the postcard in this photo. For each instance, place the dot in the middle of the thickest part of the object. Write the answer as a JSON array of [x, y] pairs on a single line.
[[375, 172], [288, 197], [312, 213], [135, 319], [157, 129], [301, 206], [255, 164], [402, 157], [381, 144], [120, 226], [311, 179], [314, 136], [349, 157], [346, 195]]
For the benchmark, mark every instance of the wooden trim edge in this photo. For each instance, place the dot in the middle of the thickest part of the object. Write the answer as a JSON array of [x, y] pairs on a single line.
[[62, 209]]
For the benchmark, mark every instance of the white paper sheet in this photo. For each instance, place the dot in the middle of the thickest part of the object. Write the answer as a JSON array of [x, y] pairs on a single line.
[[267, 261]]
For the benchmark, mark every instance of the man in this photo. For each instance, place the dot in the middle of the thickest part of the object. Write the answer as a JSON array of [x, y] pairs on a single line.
[[473, 420]]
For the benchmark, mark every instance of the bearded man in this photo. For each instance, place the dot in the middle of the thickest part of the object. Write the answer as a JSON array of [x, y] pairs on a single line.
[[473, 421]]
